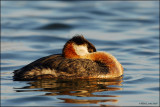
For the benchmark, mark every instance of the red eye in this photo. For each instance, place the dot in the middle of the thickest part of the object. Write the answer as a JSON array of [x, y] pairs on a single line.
[[90, 50]]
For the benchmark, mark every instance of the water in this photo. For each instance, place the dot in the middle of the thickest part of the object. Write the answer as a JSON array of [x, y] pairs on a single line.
[[127, 29]]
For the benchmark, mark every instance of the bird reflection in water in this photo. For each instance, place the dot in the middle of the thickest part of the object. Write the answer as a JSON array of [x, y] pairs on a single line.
[[78, 88]]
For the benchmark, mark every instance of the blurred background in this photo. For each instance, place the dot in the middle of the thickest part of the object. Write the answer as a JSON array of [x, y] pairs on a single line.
[[127, 29]]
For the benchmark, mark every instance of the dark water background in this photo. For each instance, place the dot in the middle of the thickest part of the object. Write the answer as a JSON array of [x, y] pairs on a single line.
[[127, 29]]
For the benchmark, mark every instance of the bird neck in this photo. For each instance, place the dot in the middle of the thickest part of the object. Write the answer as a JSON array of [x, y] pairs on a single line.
[[69, 51]]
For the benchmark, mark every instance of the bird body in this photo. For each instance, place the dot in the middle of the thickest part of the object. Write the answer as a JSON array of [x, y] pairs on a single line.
[[79, 59]]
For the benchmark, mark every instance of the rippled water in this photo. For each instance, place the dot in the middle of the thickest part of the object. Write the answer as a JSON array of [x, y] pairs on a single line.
[[127, 29]]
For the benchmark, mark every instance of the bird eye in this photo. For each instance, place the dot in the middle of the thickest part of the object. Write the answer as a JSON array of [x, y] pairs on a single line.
[[90, 50]]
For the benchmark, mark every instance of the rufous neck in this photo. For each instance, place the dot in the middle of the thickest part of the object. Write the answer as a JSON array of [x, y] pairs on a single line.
[[69, 51]]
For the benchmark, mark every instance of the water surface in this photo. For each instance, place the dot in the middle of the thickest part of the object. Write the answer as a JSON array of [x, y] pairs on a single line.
[[127, 29]]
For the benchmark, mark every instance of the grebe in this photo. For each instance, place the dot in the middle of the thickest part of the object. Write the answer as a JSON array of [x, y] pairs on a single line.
[[79, 59]]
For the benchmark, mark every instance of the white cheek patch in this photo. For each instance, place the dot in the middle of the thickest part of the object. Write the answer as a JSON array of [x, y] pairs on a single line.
[[81, 49]]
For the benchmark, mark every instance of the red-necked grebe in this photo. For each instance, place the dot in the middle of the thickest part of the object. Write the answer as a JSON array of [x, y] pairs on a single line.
[[79, 59]]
